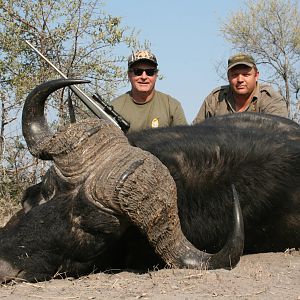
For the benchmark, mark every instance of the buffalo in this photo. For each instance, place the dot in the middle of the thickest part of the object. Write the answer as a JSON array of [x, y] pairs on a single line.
[[187, 197]]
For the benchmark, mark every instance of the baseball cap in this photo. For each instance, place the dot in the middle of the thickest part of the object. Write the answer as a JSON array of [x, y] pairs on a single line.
[[240, 59], [141, 55]]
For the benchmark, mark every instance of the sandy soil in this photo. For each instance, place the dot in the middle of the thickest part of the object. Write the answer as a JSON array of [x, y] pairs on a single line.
[[259, 276]]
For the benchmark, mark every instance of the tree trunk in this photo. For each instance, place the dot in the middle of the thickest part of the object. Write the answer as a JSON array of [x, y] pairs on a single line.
[[2, 132]]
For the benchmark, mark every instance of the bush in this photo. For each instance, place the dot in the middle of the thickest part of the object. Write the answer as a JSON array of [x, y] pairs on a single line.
[[10, 197]]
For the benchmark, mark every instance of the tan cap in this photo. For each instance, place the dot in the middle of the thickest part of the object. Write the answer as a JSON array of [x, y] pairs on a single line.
[[240, 59], [141, 55]]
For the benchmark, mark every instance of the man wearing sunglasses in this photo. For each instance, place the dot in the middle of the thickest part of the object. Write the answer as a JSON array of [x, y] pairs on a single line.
[[143, 106], [243, 93]]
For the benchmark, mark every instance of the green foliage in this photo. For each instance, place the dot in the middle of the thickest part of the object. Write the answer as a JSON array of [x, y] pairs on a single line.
[[77, 36], [81, 39]]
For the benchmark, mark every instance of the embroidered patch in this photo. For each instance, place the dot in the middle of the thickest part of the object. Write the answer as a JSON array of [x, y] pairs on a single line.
[[155, 123]]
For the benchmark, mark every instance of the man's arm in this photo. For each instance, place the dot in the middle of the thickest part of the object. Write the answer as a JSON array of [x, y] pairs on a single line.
[[207, 109], [201, 115], [272, 102], [178, 116]]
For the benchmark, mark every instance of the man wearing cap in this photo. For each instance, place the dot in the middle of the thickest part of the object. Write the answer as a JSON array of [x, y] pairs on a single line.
[[243, 93], [143, 106]]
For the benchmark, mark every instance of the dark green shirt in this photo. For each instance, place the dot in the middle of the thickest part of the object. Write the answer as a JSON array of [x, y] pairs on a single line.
[[161, 111]]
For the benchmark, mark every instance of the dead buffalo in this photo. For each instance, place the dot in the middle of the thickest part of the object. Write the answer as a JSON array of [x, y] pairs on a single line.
[[104, 194]]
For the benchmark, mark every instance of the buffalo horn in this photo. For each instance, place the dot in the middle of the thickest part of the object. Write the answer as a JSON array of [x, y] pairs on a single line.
[[34, 124]]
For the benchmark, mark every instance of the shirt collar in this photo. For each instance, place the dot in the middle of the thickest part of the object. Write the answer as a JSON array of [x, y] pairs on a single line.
[[230, 98]]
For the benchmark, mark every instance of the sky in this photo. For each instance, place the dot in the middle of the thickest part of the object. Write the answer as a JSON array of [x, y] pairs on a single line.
[[186, 39]]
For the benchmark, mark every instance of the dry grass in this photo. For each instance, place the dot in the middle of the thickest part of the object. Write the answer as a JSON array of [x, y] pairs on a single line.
[[8, 207], [259, 276]]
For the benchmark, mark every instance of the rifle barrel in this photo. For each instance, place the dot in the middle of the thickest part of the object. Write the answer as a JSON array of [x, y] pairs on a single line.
[[89, 102]]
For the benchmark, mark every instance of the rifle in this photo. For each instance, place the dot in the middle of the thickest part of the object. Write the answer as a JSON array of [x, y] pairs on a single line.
[[96, 104]]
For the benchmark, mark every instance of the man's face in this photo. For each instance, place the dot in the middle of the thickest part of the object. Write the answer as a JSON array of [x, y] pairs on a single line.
[[141, 82], [242, 79]]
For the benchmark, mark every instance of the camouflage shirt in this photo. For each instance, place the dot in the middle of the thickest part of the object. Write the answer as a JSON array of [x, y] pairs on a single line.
[[161, 111], [221, 101]]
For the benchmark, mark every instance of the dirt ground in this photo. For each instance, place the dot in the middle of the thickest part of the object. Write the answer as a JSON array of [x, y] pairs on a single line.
[[259, 276]]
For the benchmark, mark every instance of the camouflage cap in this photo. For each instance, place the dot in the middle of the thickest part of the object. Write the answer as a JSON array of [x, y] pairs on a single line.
[[240, 59], [141, 55]]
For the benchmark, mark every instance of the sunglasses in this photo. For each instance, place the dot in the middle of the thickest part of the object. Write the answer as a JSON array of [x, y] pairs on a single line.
[[139, 72]]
